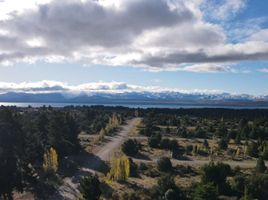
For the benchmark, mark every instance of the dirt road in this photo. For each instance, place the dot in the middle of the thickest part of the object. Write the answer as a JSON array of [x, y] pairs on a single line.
[[106, 152], [69, 189]]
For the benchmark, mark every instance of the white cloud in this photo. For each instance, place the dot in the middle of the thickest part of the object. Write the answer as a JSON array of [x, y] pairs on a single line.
[[48, 86], [154, 34], [264, 70], [42, 86], [261, 35], [197, 68], [10, 7], [223, 10], [211, 68]]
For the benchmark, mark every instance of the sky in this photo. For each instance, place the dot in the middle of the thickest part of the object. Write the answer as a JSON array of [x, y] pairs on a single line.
[[185, 45]]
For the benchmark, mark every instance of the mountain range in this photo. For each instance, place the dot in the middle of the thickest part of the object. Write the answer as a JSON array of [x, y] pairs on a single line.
[[137, 98]]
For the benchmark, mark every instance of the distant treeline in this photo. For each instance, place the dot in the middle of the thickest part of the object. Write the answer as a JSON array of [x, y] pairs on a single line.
[[210, 112]]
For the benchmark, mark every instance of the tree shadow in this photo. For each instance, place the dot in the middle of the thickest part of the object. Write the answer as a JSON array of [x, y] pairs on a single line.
[[91, 162], [107, 190], [141, 156], [182, 157]]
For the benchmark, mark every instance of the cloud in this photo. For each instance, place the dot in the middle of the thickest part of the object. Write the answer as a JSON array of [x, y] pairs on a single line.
[[264, 70], [261, 35], [48, 86], [223, 10], [197, 68], [218, 54], [10, 7], [211, 68], [42, 86], [154, 34]]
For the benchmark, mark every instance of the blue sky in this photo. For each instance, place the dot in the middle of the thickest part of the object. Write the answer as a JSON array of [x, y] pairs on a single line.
[[199, 45]]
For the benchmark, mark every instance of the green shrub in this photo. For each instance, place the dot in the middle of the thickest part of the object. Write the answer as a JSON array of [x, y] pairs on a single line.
[[130, 147], [154, 141], [260, 167], [205, 192], [164, 164], [252, 149], [90, 187]]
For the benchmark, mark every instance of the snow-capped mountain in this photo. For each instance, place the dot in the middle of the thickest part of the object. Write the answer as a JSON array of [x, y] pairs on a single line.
[[145, 97]]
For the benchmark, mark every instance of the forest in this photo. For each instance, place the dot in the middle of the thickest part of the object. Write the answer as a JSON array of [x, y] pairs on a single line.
[[166, 154]]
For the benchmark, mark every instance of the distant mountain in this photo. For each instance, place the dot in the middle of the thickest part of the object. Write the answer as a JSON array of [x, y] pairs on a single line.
[[137, 98]]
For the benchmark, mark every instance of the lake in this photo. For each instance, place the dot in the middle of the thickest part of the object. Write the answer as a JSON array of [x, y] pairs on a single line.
[[60, 105]]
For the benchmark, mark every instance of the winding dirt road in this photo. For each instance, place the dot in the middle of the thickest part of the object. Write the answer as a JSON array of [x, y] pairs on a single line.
[[93, 162]]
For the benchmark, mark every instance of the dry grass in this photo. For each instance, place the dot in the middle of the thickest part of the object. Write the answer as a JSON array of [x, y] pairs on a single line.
[[133, 132]]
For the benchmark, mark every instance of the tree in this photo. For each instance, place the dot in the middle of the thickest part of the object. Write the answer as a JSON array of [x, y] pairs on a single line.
[[130, 147], [265, 151], [173, 144], [257, 185], [242, 123], [166, 188], [90, 187], [205, 144], [252, 149], [11, 149], [246, 195], [120, 169], [165, 143], [223, 144], [260, 167], [155, 140], [238, 139], [50, 162], [205, 192], [164, 164], [170, 195], [216, 174], [189, 149]]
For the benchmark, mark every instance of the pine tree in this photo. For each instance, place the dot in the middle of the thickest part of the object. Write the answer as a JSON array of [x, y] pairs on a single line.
[[90, 187], [205, 144], [238, 139], [260, 167], [246, 195]]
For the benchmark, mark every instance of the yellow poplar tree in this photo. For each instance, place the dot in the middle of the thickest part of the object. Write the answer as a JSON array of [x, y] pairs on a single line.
[[50, 160], [120, 169]]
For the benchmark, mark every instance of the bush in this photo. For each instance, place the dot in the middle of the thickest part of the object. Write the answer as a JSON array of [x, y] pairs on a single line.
[[205, 144], [154, 141], [173, 144], [130, 147], [252, 150], [257, 186], [260, 167], [165, 143], [166, 189], [217, 174], [164, 164], [189, 149], [170, 195], [223, 144], [205, 192], [90, 187], [265, 153]]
